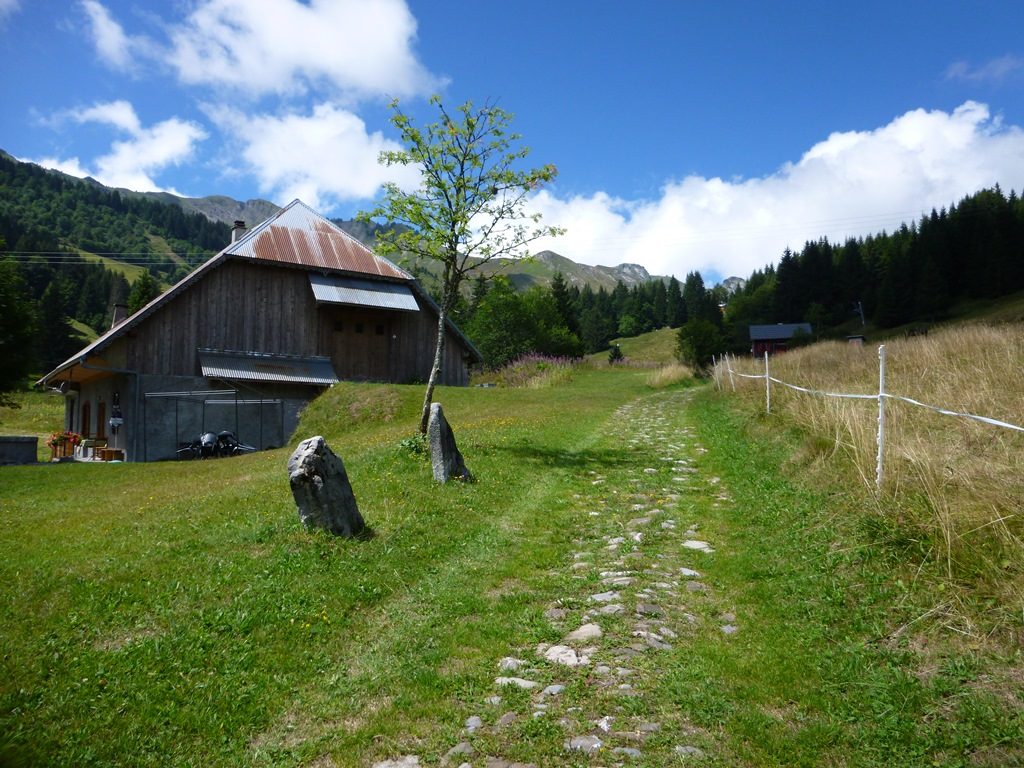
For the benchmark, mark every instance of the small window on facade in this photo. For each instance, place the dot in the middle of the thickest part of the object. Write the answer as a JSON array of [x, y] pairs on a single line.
[[380, 330], [359, 327], [339, 325]]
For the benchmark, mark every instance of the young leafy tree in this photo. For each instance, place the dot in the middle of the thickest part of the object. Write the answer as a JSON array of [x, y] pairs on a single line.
[[470, 206]]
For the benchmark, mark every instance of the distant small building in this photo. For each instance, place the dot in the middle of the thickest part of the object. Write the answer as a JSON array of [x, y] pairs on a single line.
[[774, 338]]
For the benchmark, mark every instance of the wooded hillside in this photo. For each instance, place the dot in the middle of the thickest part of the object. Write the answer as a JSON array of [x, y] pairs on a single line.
[[918, 274]]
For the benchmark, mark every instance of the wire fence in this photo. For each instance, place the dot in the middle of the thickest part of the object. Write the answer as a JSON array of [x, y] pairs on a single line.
[[881, 396]]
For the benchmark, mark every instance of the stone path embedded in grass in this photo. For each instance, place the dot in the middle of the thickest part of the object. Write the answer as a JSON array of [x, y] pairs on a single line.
[[640, 583]]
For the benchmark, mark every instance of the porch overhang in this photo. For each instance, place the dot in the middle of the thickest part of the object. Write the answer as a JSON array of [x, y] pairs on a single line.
[[258, 366], [355, 292]]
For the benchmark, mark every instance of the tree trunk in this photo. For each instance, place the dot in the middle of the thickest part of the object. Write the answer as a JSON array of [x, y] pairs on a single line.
[[435, 371]]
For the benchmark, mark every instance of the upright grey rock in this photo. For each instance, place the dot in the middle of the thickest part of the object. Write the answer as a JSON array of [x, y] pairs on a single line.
[[445, 458], [321, 489]]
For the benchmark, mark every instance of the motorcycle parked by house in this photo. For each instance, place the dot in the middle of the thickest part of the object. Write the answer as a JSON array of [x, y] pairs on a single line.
[[209, 446]]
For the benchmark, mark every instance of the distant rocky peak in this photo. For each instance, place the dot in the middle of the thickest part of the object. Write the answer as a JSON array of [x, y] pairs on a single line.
[[636, 271], [733, 284]]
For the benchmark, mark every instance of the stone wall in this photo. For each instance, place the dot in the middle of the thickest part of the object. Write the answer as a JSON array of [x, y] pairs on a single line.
[[18, 449]]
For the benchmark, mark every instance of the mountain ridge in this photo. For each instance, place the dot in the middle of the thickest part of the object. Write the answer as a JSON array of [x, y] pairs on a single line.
[[539, 269]]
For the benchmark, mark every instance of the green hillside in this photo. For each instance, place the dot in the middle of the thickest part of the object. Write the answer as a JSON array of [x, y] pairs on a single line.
[[653, 347], [45, 211], [538, 270]]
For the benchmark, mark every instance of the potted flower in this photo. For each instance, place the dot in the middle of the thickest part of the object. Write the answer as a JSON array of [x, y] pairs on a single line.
[[63, 443]]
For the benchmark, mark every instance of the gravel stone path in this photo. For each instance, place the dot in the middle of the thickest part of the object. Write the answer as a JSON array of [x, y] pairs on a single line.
[[641, 582]]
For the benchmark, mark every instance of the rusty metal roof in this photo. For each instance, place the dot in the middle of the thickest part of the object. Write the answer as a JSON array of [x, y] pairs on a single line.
[[341, 289], [257, 366], [300, 235]]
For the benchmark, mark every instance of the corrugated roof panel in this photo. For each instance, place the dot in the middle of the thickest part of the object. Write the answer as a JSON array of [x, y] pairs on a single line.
[[256, 366], [334, 289], [299, 235]]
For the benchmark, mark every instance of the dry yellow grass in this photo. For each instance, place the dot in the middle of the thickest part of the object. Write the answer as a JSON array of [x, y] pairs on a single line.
[[670, 374], [958, 483]]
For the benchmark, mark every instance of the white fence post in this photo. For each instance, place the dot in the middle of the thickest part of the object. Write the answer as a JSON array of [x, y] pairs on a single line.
[[881, 417], [881, 397], [728, 363]]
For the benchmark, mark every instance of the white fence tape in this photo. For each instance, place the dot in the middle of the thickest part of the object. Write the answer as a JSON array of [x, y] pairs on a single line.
[[945, 412], [822, 393], [880, 397]]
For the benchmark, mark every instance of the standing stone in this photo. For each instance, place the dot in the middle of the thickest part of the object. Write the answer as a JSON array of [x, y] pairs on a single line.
[[321, 489], [445, 458]]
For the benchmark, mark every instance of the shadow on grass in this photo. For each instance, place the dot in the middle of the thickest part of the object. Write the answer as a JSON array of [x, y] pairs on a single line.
[[577, 461], [367, 534]]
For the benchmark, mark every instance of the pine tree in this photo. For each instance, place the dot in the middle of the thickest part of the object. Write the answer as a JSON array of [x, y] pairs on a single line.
[[17, 328], [660, 305], [144, 290], [564, 302], [700, 304], [56, 340], [675, 308]]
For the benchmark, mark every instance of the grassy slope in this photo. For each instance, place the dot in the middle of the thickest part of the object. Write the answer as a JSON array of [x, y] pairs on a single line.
[[38, 413], [131, 272], [653, 347], [178, 614], [130, 586]]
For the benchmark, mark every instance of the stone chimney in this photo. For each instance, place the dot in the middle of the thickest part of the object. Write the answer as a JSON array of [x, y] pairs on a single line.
[[237, 231], [120, 315]]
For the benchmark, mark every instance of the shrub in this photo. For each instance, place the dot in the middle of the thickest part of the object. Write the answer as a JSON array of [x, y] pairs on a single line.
[[668, 375], [530, 370], [698, 341]]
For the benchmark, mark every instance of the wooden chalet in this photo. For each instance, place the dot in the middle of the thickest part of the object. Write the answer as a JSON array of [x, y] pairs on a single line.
[[248, 338], [774, 338]]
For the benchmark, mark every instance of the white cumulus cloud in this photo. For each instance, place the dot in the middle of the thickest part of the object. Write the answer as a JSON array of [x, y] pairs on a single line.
[[358, 47], [851, 184], [112, 44], [131, 162], [322, 158], [8, 8]]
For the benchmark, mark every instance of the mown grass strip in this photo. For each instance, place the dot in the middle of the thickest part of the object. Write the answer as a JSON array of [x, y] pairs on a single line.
[[177, 613], [821, 675]]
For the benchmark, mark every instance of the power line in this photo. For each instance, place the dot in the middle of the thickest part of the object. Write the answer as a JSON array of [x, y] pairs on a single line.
[[108, 254]]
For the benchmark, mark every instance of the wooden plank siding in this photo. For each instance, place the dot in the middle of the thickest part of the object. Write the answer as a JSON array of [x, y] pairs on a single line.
[[254, 307]]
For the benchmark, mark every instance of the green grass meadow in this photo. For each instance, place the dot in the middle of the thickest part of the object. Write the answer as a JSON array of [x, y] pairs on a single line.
[[179, 614]]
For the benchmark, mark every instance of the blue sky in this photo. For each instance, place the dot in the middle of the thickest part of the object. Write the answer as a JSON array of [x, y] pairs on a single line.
[[687, 135]]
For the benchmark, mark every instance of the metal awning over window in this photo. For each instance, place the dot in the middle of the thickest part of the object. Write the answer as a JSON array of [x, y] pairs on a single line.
[[334, 289], [257, 366]]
